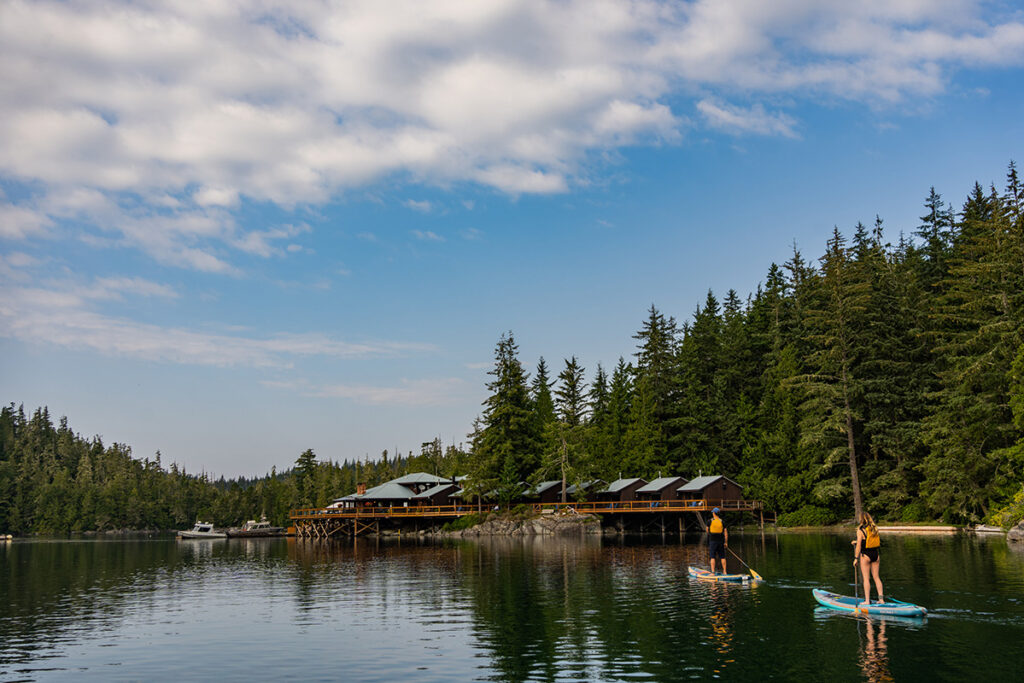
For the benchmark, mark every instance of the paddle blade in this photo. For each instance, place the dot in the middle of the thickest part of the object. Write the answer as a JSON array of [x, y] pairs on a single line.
[[756, 575]]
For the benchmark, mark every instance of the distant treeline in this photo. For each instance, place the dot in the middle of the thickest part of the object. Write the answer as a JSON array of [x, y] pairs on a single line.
[[54, 481], [887, 375]]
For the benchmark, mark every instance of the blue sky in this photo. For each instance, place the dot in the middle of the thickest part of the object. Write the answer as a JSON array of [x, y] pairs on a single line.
[[233, 231]]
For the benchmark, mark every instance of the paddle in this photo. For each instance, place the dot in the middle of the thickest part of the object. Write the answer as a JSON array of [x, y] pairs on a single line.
[[752, 572], [856, 589]]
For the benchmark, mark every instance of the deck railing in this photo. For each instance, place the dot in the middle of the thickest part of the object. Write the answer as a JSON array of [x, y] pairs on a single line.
[[592, 507]]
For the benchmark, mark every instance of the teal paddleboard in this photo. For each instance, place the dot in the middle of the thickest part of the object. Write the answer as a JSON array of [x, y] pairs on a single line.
[[848, 603], [705, 575]]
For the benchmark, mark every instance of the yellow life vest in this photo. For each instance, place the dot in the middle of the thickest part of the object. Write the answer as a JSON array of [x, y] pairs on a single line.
[[716, 526], [871, 538]]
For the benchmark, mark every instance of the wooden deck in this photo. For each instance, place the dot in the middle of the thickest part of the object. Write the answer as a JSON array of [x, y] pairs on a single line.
[[355, 521]]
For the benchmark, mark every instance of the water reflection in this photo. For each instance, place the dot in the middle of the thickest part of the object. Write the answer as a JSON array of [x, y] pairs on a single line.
[[874, 655], [504, 609]]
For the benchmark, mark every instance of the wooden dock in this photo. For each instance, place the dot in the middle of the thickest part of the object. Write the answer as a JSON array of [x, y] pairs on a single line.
[[326, 523]]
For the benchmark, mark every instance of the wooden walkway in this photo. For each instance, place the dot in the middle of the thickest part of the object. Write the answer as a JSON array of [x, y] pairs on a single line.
[[356, 521]]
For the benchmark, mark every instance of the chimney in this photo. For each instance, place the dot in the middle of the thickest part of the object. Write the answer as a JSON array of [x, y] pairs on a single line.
[[361, 488]]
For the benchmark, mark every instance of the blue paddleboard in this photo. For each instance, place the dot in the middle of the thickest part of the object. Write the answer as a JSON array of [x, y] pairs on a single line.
[[848, 603], [705, 575]]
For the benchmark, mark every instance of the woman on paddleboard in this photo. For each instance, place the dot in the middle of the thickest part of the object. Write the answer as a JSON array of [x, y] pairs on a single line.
[[718, 540], [865, 553]]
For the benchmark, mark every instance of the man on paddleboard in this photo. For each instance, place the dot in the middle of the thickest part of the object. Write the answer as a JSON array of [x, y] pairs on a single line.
[[718, 540]]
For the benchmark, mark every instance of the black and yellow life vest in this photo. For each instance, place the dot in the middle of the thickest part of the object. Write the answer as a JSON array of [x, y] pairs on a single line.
[[871, 537], [716, 526]]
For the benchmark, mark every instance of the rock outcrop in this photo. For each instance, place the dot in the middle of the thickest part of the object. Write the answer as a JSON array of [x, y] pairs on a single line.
[[542, 525], [1016, 533]]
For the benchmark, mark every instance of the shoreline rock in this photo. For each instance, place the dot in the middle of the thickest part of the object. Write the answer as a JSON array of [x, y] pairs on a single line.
[[541, 525], [1016, 533]]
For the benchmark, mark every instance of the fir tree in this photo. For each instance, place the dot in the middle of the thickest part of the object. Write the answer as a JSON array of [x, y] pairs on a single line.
[[507, 441], [834, 387]]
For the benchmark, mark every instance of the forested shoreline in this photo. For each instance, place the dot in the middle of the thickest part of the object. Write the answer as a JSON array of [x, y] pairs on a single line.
[[887, 374]]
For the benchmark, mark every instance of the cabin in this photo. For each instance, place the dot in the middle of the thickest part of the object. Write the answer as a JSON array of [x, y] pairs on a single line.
[[396, 492], [388, 494], [584, 490], [544, 492], [662, 488], [437, 495], [711, 489], [620, 490]]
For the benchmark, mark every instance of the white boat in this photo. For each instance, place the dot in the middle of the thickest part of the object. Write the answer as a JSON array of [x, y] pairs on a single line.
[[254, 529], [202, 530]]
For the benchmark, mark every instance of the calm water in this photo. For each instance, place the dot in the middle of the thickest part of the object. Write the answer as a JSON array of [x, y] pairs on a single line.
[[501, 609]]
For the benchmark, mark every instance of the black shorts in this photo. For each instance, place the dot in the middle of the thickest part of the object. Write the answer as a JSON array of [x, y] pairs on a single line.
[[717, 550], [871, 554]]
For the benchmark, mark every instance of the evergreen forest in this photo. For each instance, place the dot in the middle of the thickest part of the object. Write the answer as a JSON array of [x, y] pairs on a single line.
[[885, 375]]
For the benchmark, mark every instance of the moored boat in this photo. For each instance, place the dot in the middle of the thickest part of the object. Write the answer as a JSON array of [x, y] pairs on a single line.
[[254, 529], [203, 530], [705, 575], [849, 603]]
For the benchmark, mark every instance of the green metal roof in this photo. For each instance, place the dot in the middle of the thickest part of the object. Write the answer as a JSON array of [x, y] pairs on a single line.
[[620, 484], [658, 484], [701, 482], [435, 490], [386, 491], [419, 478]]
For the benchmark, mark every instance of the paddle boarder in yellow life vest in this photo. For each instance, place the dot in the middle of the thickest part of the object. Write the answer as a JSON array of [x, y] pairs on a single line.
[[718, 540], [865, 553]]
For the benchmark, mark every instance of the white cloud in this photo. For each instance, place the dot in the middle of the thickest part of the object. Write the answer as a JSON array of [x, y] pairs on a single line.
[[410, 392], [422, 207], [151, 122], [519, 180], [752, 120], [20, 222], [115, 287], [13, 266], [18, 259], [471, 234], [259, 242], [427, 236], [62, 316], [216, 196]]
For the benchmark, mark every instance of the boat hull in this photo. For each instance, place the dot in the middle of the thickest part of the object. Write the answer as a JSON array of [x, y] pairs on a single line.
[[849, 603], [197, 534], [705, 575]]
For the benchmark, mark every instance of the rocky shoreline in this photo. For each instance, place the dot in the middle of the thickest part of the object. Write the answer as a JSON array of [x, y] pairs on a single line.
[[543, 525], [1016, 533]]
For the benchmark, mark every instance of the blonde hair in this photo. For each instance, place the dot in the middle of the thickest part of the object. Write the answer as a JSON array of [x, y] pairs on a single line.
[[865, 520]]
